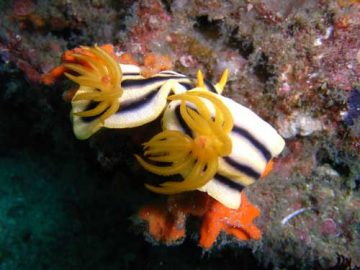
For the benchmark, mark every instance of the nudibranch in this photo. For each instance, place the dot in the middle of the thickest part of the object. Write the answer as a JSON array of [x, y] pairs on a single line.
[[209, 142], [222, 147], [113, 95]]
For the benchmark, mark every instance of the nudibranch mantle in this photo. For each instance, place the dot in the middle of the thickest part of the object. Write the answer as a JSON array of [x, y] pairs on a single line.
[[254, 144], [217, 145], [138, 100], [142, 101]]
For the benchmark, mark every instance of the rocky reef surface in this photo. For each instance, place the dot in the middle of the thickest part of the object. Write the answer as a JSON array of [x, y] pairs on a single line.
[[67, 204]]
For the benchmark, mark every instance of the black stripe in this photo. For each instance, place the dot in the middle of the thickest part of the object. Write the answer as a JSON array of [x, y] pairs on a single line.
[[243, 168], [92, 105], [187, 86], [210, 86], [246, 134], [228, 182], [131, 74], [136, 104], [138, 83], [181, 121], [157, 181]]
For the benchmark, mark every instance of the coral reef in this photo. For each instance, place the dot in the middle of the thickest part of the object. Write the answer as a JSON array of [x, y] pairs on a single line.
[[295, 63]]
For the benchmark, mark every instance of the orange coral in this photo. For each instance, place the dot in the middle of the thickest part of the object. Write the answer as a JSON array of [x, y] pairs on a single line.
[[127, 59], [268, 169], [163, 226], [154, 63], [69, 58], [167, 222], [345, 3], [236, 222], [50, 77]]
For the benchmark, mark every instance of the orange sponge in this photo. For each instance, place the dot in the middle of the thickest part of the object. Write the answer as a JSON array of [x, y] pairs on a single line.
[[167, 221], [236, 222]]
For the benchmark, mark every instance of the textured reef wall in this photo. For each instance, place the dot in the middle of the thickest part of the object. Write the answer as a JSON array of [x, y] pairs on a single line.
[[296, 63]]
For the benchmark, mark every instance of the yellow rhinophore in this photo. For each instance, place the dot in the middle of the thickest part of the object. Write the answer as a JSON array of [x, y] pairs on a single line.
[[221, 84], [99, 78], [219, 87], [193, 156]]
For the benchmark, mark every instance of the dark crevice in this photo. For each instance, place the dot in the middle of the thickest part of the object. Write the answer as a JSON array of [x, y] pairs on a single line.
[[324, 157], [121, 6], [357, 183], [263, 70], [167, 5], [293, 28], [66, 33], [210, 29], [244, 45], [329, 18]]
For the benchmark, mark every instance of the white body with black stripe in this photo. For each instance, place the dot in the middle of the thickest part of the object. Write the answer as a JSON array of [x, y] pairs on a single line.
[[142, 101], [254, 144], [254, 141]]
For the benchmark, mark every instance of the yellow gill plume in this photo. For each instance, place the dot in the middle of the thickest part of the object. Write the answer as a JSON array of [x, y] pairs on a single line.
[[99, 79], [194, 157]]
